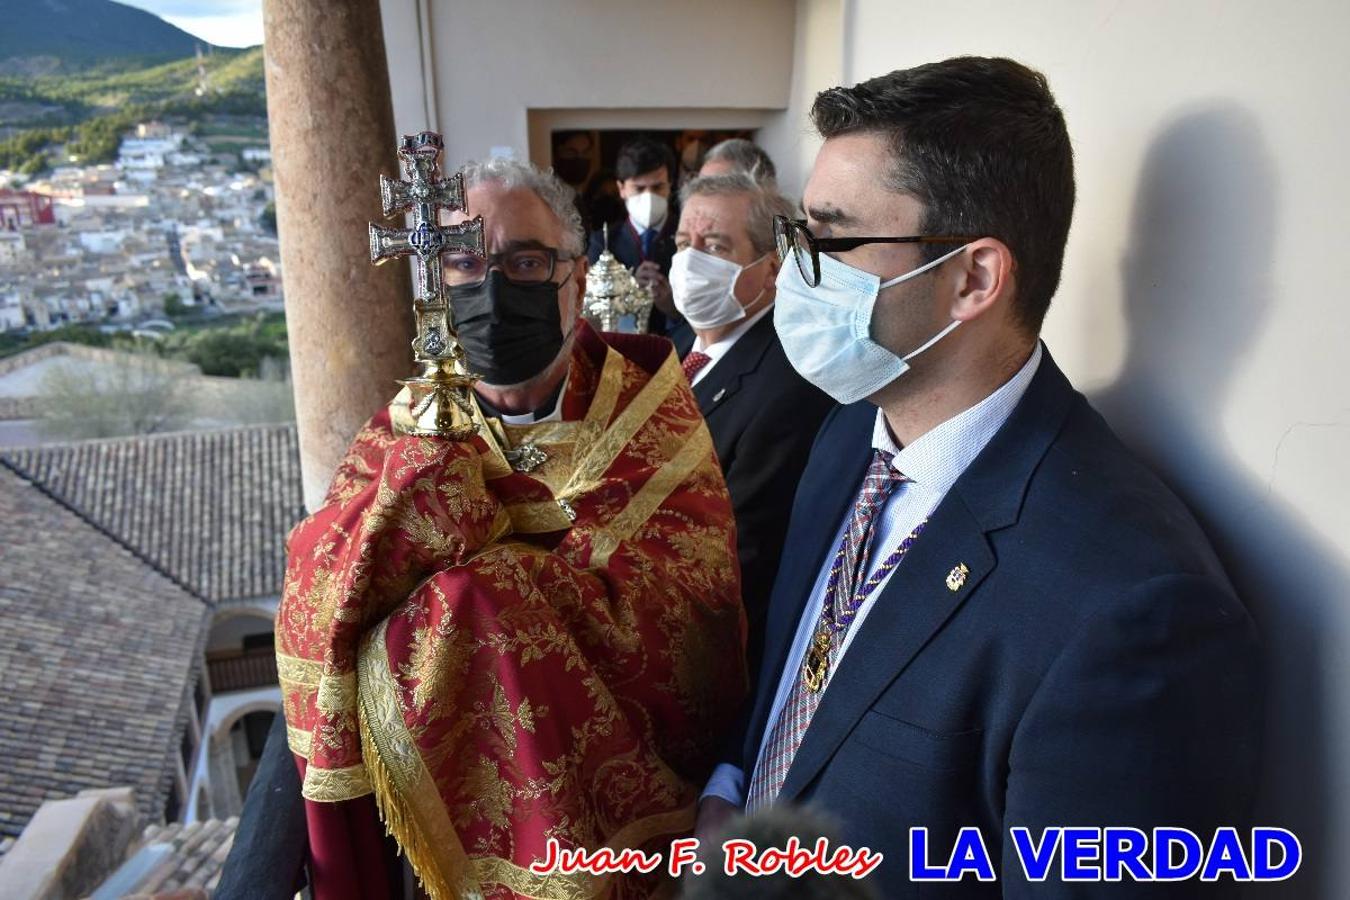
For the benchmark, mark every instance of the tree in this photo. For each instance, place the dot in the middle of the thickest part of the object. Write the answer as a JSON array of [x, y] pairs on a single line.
[[34, 165], [138, 394]]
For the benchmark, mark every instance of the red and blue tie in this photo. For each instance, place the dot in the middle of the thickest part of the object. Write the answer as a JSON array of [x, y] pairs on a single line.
[[844, 593]]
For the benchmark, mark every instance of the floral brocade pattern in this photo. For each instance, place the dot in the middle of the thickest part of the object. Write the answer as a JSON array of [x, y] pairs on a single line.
[[499, 678]]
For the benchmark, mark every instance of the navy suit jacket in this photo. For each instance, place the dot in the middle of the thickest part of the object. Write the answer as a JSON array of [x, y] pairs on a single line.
[[1093, 668], [763, 417]]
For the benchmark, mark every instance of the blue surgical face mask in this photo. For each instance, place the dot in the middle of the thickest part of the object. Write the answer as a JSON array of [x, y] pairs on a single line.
[[826, 330]]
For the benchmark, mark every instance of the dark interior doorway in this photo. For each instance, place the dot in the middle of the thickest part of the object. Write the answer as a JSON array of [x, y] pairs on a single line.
[[585, 160]]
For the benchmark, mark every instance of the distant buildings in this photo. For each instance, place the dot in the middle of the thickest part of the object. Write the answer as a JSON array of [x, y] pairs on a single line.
[[24, 209], [106, 244]]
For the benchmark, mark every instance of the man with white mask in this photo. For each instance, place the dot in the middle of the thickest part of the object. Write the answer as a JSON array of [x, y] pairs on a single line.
[[989, 614], [762, 414], [643, 240]]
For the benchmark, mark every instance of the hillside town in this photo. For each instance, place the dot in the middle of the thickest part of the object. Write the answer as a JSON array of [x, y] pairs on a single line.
[[173, 225]]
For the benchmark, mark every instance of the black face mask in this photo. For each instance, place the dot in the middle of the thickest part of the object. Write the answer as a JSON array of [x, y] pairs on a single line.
[[572, 170], [510, 332]]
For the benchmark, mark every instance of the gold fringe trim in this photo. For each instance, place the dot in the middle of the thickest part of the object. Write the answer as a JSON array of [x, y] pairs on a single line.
[[398, 822], [432, 847]]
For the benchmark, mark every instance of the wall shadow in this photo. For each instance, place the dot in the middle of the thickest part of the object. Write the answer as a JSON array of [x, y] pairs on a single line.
[[1197, 288]]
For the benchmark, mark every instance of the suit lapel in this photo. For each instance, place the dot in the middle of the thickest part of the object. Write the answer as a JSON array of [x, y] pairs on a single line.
[[744, 357], [913, 606], [917, 600]]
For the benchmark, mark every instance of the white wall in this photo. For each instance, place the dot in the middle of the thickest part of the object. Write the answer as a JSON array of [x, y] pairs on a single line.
[[817, 63], [1203, 306], [475, 70]]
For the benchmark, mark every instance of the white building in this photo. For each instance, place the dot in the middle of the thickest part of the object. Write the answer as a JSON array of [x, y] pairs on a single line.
[[102, 241], [13, 247], [148, 152]]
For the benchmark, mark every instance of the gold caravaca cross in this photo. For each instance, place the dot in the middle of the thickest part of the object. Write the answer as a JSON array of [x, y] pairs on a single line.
[[441, 398]]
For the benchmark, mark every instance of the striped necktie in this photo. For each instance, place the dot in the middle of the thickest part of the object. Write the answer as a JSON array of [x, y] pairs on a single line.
[[844, 593]]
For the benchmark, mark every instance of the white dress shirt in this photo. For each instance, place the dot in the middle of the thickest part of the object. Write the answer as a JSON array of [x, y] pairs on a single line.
[[719, 349], [932, 464]]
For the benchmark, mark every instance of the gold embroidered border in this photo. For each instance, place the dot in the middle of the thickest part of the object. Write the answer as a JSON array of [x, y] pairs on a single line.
[[299, 741], [605, 540], [337, 693], [299, 671], [607, 447], [494, 461], [538, 517], [542, 433], [406, 794], [558, 467], [335, 785], [578, 433], [557, 886], [605, 399]]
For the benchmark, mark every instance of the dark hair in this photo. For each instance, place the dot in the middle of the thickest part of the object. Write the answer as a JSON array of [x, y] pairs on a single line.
[[641, 155], [982, 144]]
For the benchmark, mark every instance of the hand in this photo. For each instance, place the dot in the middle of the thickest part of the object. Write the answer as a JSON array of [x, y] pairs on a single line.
[[713, 815], [648, 274]]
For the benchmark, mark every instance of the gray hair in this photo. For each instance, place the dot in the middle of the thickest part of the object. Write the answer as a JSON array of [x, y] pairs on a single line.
[[765, 202], [512, 173], [746, 156]]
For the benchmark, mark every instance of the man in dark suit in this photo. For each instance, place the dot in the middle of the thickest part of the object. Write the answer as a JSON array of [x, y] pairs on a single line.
[[988, 612], [644, 239], [762, 414]]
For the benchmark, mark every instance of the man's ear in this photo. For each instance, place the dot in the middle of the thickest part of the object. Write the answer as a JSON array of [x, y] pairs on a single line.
[[771, 267], [982, 279], [579, 270]]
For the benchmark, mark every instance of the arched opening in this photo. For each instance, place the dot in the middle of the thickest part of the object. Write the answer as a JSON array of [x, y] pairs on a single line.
[[235, 748], [240, 653], [248, 736]]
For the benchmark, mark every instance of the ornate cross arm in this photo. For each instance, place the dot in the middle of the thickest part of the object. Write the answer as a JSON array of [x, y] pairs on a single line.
[[441, 397]]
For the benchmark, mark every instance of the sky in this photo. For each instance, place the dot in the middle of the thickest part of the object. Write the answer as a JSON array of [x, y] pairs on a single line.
[[225, 23]]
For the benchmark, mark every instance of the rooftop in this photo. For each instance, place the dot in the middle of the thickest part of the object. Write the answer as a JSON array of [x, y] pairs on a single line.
[[98, 661], [208, 509]]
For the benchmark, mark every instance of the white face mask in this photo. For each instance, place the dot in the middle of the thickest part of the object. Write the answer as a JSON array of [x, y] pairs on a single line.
[[703, 287], [826, 330], [647, 209]]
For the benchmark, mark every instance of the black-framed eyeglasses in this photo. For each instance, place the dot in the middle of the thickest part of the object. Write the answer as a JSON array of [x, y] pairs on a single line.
[[523, 265], [794, 238]]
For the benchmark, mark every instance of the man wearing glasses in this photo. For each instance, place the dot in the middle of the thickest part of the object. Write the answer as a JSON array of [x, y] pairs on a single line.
[[521, 649], [988, 613]]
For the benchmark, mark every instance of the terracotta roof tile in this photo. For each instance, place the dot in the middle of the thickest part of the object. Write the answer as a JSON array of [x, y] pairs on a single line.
[[209, 509], [98, 661]]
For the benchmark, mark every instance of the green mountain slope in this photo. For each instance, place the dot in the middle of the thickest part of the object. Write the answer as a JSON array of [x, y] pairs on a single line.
[[62, 35]]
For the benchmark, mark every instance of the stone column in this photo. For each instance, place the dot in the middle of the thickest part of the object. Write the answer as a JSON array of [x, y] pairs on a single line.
[[332, 129]]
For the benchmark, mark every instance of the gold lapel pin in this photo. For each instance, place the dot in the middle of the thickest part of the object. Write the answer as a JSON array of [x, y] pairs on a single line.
[[956, 578]]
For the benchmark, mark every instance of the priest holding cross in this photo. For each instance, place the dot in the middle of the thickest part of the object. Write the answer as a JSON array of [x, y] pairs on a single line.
[[516, 619]]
